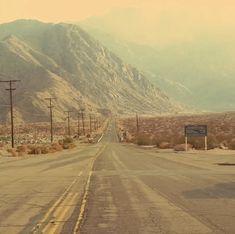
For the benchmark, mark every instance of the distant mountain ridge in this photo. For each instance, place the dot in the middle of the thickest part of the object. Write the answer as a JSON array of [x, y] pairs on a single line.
[[199, 72], [63, 61]]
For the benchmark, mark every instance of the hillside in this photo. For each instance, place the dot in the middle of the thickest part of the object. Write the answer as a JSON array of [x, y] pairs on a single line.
[[63, 61], [199, 72]]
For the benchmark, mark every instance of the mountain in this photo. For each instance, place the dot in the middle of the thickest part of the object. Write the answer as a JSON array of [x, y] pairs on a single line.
[[63, 61], [199, 73], [148, 60]]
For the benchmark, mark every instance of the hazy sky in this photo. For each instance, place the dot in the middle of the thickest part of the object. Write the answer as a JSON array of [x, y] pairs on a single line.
[[73, 10], [150, 21]]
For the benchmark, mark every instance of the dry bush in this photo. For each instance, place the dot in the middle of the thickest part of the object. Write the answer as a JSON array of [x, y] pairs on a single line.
[[33, 149], [164, 145], [212, 142], [197, 143], [68, 140], [52, 151], [22, 149], [143, 139], [12, 152], [60, 142], [56, 147], [20, 154], [45, 149], [231, 144], [39, 149], [181, 147], [69, 146]]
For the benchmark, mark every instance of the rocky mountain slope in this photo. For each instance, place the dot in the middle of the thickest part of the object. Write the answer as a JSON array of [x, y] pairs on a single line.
[[199, 72], [63, 61]]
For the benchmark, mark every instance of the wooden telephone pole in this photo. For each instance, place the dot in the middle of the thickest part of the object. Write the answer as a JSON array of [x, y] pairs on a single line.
[[10, 89], [51, 115], [83, 124], [137, 125], [68, 118]]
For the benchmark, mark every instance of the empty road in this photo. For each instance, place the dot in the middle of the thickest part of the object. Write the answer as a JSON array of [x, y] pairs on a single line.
[[118, 188]]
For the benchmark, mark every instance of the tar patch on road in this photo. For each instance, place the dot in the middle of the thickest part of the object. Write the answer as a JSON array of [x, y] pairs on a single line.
[[225, 164]]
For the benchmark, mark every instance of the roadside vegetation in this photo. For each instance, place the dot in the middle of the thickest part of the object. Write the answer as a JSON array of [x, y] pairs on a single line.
[[168, 131], [29, 144]]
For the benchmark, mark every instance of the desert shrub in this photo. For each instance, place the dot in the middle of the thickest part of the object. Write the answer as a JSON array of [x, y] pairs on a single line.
[[39, 149], [60, 142], [69, 146], [181, 147], [177, 140], [68, 140], [158, 139], [143, 139], [164, 145], [44, 149], [22, 149], [52, 151], [231, 144], [221, 136], [197, 143], [212, 142], [35, 149], [56, 147], [12, 152]]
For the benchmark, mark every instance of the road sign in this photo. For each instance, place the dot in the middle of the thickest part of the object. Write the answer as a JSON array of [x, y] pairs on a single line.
[[196, 130]]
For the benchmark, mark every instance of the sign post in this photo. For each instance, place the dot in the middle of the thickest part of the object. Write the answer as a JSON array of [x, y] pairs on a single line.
[[206, 143], [186, 143], [195, 131]]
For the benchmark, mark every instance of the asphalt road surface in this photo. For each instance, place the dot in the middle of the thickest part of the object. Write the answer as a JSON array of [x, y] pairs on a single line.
[[118, 188]]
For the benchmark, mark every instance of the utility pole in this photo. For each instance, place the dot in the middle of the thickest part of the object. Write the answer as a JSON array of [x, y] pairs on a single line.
[[51, 115], [11, 108], [83, 124], [68, 118], [137, 124], [94, 123], [78, 124], [90, 123]]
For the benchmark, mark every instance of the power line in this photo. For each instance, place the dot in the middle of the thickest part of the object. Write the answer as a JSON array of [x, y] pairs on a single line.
[[11, 107]]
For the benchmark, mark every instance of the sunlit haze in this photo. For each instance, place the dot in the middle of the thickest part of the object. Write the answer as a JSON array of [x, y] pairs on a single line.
[[160, 21]]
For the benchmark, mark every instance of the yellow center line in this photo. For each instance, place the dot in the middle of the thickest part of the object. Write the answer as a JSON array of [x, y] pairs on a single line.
[[35, 229], [60, 214]]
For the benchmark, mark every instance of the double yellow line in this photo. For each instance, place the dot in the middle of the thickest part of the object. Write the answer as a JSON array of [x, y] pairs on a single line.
[[63, 205], [55, 206]]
